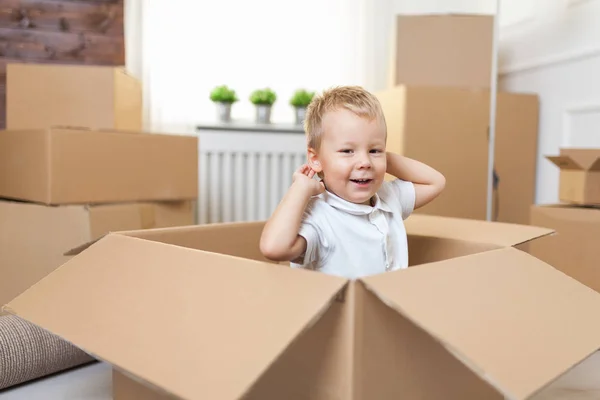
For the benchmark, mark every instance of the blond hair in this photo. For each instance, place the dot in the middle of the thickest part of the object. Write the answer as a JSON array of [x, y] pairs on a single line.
[[352, 98]]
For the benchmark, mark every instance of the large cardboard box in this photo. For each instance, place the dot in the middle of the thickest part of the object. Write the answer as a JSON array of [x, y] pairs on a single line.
[[42, 95], [34, 238], [473, 318], [579, 175], [79, 166], [575, 248], [442, 50], [448, 128]]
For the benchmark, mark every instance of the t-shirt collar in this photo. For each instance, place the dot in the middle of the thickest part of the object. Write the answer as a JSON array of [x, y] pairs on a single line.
[[358, 209]]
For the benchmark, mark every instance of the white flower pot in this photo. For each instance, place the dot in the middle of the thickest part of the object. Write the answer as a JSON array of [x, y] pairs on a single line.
[[263, 113]]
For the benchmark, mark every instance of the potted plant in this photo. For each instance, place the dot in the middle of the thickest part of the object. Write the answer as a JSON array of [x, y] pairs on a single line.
[[300, 100], [263, 100], [223, 97]]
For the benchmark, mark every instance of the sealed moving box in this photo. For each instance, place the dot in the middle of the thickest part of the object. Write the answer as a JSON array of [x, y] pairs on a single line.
[[34, 238], [43, 95], [61, 165], [196, 313], [447, 128], [442, 50]]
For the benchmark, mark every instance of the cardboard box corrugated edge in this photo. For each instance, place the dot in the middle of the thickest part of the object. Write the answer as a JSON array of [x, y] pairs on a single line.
[[504, 241]]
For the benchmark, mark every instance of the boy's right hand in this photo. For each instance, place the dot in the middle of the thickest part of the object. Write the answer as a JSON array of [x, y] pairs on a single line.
[[304, 176]]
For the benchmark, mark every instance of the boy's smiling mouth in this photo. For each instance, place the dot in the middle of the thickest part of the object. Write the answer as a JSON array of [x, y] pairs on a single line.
[[361, 181]]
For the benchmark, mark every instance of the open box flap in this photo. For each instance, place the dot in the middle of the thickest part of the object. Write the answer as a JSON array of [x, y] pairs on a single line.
[[515, 321], [244, 232], [471, 230], [194, 324], [589, 159], [564, 162], [577, 159]]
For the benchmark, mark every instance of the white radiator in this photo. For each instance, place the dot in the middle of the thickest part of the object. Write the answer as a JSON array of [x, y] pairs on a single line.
[[244, 175]]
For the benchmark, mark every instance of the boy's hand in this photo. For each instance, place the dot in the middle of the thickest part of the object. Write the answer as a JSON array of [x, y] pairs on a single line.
[[280, 240], [428, 182], [304, 176]]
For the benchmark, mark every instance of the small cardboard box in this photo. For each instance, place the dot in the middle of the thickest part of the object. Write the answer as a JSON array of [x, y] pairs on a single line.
[[195, 313], [442, 50], [579, 175], [42, 95], [448, 128], [33, 237], [575, 248], [81, 166]]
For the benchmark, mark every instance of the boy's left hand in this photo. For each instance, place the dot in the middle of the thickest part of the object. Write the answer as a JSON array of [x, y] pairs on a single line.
[[428, 182]]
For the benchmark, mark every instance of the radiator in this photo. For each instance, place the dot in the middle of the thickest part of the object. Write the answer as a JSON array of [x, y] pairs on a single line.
[[243, 176]]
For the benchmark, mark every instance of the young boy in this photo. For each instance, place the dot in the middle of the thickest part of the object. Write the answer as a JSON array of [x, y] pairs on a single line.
[[351, 223]]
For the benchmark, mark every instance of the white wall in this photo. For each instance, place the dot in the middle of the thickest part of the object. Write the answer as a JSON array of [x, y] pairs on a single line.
[[557, 57], [444, 6]]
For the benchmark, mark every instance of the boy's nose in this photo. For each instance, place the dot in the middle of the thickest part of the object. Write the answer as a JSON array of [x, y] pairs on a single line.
[[364, 162]]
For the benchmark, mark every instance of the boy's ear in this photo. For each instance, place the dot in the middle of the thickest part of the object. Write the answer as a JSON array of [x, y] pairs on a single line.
[[313, 160]]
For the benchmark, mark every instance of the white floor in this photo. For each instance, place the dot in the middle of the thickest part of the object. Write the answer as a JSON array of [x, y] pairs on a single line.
[[90, 382], [580, 383], [93, 382]]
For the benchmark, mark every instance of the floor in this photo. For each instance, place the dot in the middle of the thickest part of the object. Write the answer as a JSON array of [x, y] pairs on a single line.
[[93, 382], [581, 383], [90, 382]]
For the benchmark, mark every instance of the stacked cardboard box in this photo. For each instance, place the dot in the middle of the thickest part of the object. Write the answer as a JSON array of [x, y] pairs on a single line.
[[74, 165], [437, 108], [576, 219]]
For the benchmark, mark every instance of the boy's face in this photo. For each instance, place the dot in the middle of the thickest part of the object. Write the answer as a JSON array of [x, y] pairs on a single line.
[[352, 156]]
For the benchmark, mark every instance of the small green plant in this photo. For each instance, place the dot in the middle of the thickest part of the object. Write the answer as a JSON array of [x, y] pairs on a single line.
[[301, 98], [263, 97], [223, 94]]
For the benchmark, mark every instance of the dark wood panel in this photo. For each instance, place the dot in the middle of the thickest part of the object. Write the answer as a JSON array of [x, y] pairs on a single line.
[[105, 17], [2, 101], [42, 46]]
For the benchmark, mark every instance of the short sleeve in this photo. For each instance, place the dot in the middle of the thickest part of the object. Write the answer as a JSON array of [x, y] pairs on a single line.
[[405, 193], [315, 241], [310, 233]]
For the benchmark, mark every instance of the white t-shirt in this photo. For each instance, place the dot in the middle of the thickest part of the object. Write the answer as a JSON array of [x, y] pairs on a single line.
[[355, 240]]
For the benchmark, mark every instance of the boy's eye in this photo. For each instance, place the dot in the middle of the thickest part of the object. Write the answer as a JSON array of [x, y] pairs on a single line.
[[375, 151], [346, 151]]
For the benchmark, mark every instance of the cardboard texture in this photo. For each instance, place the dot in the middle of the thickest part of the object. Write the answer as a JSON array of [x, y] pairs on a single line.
[[442, 50], [43, 95], [574, 249], [177, 319], [33, 238], [63, 165], [579, 175], [447, 128]]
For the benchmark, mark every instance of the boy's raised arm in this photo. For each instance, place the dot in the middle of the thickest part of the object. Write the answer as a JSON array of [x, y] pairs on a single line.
[[429, 183], [280, 240]]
